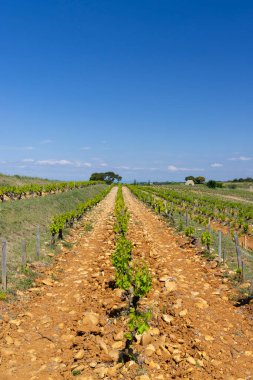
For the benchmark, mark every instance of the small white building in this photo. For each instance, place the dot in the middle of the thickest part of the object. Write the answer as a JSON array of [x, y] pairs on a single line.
[[189, 182]]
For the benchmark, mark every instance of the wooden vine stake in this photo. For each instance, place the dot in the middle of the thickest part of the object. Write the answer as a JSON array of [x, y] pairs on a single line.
[[38, 242], [223, 256], [23, 253], [243, 271], [238, 251], [209, 225], [245, 242], [186, 219], [4, 266], [219, 243], [166, 208]]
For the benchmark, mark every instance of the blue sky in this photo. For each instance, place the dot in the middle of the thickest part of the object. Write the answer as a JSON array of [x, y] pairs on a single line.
[[154, 90]]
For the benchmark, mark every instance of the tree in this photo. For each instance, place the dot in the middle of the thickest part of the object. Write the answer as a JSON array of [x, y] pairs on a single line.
[[108, 177], [190, 177], [212, 184], [199, 180]]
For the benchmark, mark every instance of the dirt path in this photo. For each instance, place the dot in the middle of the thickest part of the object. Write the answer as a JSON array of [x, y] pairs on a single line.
[[201, 334]]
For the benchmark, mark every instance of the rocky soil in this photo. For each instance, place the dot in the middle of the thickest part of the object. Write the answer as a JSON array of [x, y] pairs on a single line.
[[72, 323]]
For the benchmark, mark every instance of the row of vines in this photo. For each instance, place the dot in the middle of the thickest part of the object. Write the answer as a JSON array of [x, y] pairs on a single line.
[[133, 277], [18, 192], [67, 219], [202, 208], [192, 217]]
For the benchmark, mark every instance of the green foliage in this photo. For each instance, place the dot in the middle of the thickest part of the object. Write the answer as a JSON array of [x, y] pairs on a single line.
[[206, 239], [199, 180], [76, 373], [88, 227], [17, 192], [133, 277], [141, 279], [189, 231], [138, 321], [121, 214], [245, 228], [180, 226], [61, 221], [121, 258], [200, 206], [108, 177], [3, 295], [190, 177], [213, 184]]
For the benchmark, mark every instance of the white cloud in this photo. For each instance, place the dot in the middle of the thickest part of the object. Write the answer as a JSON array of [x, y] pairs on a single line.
[[104, 164], [240, 158], [54, 162], [80, 164], [173, 168], [27, 160], [216, 165]]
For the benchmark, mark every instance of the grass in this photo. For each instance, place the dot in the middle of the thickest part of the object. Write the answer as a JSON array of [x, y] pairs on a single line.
[[19, 221], [88, 227], [3, 296], [17, 180]]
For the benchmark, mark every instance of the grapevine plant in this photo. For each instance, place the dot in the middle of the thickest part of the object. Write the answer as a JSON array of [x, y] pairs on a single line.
[[17, 192], [67, 219], [132, 276], [200, 207]]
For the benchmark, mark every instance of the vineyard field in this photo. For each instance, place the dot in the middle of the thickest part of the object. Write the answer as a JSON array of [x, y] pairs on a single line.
[[20, 220], [131, 297]]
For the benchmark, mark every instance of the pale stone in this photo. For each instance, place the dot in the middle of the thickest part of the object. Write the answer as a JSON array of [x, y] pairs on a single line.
[[48, 282], [201, 304], [177, 358], [79, 355], [117, 345], [164, 278], [119, 336], [101, 372], [145, 339], [91, 318], [170, 286], [15, 322], [103, 346], [191, 360], [183, 313], [80, 368], [154, 331], [9, 340], [114, 354], [167, 318], [209, 338], [150, 349]]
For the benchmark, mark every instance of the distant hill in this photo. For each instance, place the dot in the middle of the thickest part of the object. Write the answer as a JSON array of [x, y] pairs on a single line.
[[17, 180]]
